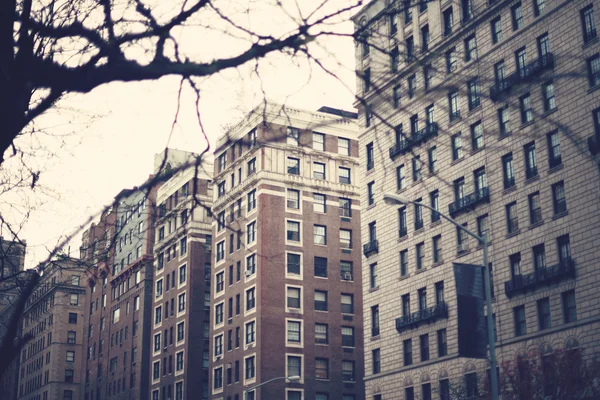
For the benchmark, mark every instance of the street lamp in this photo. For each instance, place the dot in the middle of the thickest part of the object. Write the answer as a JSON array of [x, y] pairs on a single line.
[[393, 199], [289, 379]]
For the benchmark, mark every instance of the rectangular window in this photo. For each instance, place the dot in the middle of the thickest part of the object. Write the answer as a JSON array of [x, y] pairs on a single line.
[[320, 267], [530, 161], [451, 60], [370, 193], [512, 221], [406, 305], [535, 210], [345, 239], [345, 208], [539, 257], [293, 199], [508, 171], [543, 308], [593, 65], [347, 303], [549, 98], [293, 264], [394, 59], [520, 321], [569, 306], [504, 121], [424, 342], [293, 331], [470, 48], [526, 110], [319, 138], [376, 357], [293, 297], [521, 61], [564, 249], [425, 38], [294, 366], [320, 234], [496, 25], [252, 200], [322, 335], [400, 177], [538, 7], [396, 96], [250, 332], [319, 204], [293, 231], [558, 198], [344, 146], [319, 170], [442, 343], [420, 252], [403, 262], [437, 249], [370, 156], [417, 165], [293, 166], [418, 215], [348, 372], [457, 151], [321, 300], [448, 18], [407, 348], [344, 175], [321, 369], [412, 86], [477, 136], [517, 16], [588, 24], [554, 156], [375, 321]]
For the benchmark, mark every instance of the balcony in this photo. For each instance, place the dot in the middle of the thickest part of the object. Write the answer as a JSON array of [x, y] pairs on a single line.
[[469, 201], [371, 247], [540, 277], [427, 315], [529, 72], [421, 136]]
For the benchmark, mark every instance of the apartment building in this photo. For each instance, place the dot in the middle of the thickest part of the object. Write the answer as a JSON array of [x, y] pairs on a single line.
[[286, 282], [119, 253], [181, 300], [54, 319], [485, 110]]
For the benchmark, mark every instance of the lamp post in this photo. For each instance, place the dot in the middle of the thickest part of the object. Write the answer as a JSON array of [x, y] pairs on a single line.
[[393, 199], [291, 379]]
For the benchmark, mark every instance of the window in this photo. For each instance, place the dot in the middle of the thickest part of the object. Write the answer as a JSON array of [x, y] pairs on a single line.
[[321, 300], [509, 173], [530, 161], [496, 30], [448, 17], [293, 297], [471, 385], [554, 157], [181, 303], [293, 166], [293, 231], [220, 281], [418, 215], [412, 86], [512, 221], [425, 38], [403, 228], [470, 48], [70, 356], [219, 314], [344, 175], [320, 267], [344, 146], [526, 111], [467, 10], [394, 59], [375, 321], [409, 393], [417, 165], [370, 194], [345, 208], [593, 65], [347, 336], [521, 59], [588, 24], [181, 331], [370, 156], [432, 158], [407, 348], [520, 321], [403, 262], [179, 361], [376, 357], [539, 257], [396, 96], [318, 170], [347, 303], [251, 166], [558, 198], [373, 275], [517, 16], [250, 299], [400, 177], [424, 341], [345, 239], [451, 60], [442, 343], [543, 309], [320, 234], [457, 151], [477, 136], [407, 11], [372, 231], [319, 138], [427, 76], [564, 249], [393, 24], [217, 378], [252, 200], [515, 265], [538, 7], [294, 366], [250, 332], [473, 92], [220, 251], [437, 249], [293, 331], [420, 252], [535, 210], [348, 373], [250, 232], [504, 121], [569, 306], [293, 136], [293, 264], [321, 334], [410, 48]]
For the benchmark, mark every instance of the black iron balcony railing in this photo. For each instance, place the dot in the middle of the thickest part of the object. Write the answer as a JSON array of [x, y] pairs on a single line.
[[540, 277], [371, 247], [533, 69], [421, 136], [430, 314], [469, 201]]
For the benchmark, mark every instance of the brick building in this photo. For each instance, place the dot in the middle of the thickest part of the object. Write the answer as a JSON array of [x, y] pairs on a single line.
[[55, 318], [480, 110], [181, 301], [286, 292]]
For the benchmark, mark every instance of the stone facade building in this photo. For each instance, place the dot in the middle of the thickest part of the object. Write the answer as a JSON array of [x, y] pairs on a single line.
[[181, 300], [286, 282], [54, 318], [482, 110]]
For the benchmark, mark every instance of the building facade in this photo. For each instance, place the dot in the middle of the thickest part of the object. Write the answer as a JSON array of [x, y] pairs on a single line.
[[286, 282], [181, 300], [119, 253], [479, 110], [54, 318]]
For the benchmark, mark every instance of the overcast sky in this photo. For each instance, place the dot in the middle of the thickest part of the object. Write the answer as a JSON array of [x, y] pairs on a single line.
[[113, 133]]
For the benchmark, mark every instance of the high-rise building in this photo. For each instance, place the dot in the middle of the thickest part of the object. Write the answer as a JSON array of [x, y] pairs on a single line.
[[119, 254], [53, 320], [286, 282], [477, 109], [181, 299]]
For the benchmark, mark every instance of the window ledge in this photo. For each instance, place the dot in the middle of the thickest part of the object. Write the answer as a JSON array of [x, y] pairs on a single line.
[[513, 234], [373, 338], [437, 264], [539, 223], [435, 223], [532, 179], [557, 168], [457, 161], [526, 124], [420, 230], [475, 151], [464, 253], [510, 189], [479, 246], [478, 107], [562, 214], [371, 206], [374, 289], [504, 136], [552, 111], [403, 238], [404, 277], [419, 271], [455, 121]]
